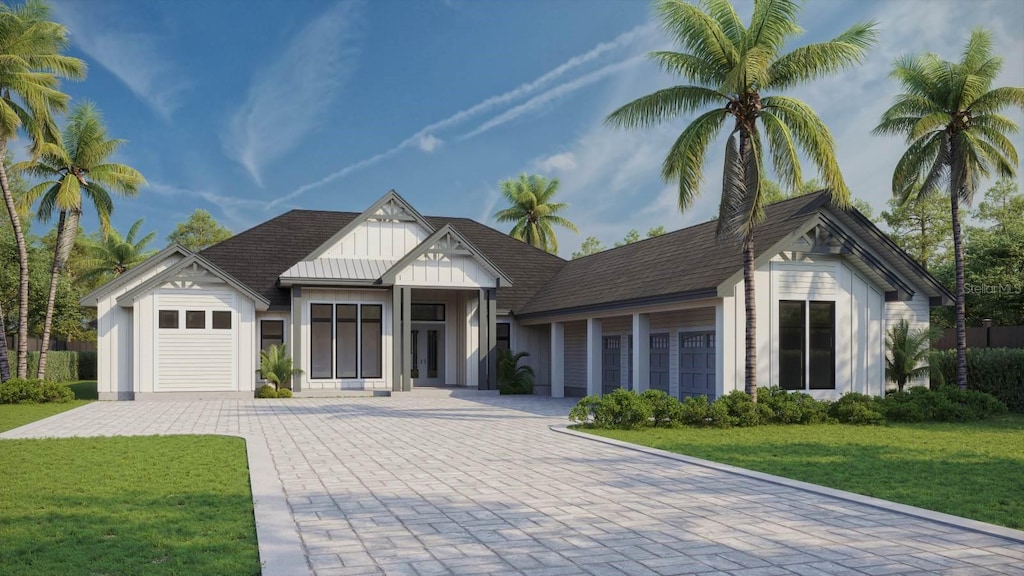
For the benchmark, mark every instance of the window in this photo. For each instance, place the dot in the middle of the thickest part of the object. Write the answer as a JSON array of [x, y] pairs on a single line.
[[195, 319], [427, 312], [504, 337], [169, 319], [320, 340], [271, 333], [221, 320], [372, 356], [346, 339], [807, 335]]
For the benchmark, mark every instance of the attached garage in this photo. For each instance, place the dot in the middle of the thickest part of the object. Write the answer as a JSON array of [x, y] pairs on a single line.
[[697, 364], [196, 341]]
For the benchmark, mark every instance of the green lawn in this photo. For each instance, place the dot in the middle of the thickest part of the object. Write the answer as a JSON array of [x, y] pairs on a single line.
[[84, 389], [14, 415], [158, 505], [974, 470]]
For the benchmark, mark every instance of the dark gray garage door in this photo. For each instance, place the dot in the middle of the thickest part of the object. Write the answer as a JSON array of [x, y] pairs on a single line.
[[697, 364], [611, 363], [659, 362]]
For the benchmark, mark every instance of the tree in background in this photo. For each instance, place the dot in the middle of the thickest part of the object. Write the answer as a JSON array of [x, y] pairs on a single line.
[[200, 231], [107, 258], [631, 237], [78, 167], [30, 65], [590, 246], [955, 134], [656, 231], [731, 66], [532, 211], [906, 356], [921, 227]]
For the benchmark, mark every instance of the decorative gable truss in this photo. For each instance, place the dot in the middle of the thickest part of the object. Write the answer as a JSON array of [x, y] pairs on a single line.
[[446, 258], [193, 272], [387, 231]]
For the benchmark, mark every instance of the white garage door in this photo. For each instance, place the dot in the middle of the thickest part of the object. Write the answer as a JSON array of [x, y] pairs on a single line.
[[195, 343]]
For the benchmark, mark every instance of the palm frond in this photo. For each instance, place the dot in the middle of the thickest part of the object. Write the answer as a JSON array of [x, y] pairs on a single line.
[[685, 160], [814, 61], [663, 105]]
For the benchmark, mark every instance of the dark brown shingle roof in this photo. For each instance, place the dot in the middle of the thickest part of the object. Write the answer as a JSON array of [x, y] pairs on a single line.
[[259, 255], [688, 261]]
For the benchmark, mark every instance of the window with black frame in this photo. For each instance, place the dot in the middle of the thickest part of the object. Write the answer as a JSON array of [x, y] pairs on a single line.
[[321, 340], [503, 336], [807, 345], [372, 341]]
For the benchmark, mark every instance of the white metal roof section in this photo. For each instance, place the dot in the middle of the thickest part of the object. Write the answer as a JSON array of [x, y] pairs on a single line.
[[338, 269]]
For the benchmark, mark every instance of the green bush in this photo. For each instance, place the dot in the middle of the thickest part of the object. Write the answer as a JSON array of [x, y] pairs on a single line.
[[997, 371], [622, 409], [284, 393], [792, 407], [266, 391], [718, 415], [22, 391], [856, 408], [743, 411], [948, 404], [585, 410], [512, 378], [61, 365], [694, 411], [665, 410]]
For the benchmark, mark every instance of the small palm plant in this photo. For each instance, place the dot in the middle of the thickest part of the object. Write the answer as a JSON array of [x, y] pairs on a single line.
[[276, 366], [512, 378], [908, 353]]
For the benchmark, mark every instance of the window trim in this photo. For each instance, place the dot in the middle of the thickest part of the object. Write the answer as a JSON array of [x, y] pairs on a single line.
[[806, 342], [213, 319], [177, 319], [334, 335]]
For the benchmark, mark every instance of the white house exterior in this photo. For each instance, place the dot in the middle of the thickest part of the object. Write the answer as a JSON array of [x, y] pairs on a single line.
[[386, 300]]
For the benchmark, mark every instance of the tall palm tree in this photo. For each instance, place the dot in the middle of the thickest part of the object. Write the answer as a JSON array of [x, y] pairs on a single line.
[[30, 65], [78, 166], [114, 255], [956, 135], [731, 67], [532, 211]]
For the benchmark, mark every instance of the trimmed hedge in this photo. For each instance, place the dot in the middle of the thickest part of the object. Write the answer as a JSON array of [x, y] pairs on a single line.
[[21, 391], [997, 371], [65, 365]]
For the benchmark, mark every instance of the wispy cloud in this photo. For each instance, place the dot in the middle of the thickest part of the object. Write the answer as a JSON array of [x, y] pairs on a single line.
[[287, 97], [429, 142], [238, 213], [487, 105], [135, 58], [562, 162]]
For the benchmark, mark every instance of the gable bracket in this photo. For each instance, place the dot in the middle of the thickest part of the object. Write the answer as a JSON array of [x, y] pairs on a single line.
[[903, 290]]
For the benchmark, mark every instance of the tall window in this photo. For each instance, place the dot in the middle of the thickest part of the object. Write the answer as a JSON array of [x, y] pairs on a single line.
[[807, 335], [271, 333], [320, 340], [346, 338], [372, 355], [503, 337]]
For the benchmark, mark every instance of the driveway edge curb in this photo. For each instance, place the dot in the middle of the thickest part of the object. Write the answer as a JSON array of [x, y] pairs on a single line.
[[942, 518]]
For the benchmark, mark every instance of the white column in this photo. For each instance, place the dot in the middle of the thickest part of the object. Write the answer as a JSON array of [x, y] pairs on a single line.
[[557, 360], [725, 366], [593, 356], [641, 352]]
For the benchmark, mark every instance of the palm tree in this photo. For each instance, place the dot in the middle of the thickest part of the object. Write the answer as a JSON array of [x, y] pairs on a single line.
[[30, 65], [114, 255], [276, 366], [531, 209], [730, 67], [956, 135], [78, 166], [907, 357]]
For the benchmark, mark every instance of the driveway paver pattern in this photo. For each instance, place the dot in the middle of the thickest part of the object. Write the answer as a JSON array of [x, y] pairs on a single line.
[[466, 482]]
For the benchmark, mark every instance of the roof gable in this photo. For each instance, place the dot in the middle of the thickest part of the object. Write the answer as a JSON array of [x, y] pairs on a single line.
[[92, 299], [393, 227], [452, 254], [193, 264]]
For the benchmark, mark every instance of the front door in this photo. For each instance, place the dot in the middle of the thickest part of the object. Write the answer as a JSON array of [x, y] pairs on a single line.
[[428, 354]]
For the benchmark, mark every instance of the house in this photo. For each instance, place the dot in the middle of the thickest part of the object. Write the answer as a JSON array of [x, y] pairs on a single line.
[[387, 300]]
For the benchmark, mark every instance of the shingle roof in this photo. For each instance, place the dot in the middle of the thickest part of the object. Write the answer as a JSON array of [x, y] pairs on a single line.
[[690, 260], [259, 255]]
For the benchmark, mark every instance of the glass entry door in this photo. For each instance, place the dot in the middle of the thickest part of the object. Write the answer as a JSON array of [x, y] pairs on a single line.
[[428, 354]]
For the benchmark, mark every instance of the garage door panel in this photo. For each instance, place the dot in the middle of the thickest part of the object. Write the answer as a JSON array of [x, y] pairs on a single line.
[[697, 364], [611, 364], [195, 359]]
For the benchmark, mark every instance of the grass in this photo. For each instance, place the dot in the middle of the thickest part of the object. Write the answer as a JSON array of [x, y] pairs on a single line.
[[15, 415], [966, 469], [158, 505]]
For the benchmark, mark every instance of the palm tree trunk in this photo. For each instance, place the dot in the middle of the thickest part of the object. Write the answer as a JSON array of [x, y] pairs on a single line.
[[67, 226], [961, 312], [19, 237], [750, 370], [5, 362]]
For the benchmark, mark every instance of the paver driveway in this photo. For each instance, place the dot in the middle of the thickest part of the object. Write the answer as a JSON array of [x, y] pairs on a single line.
[[441, 482]]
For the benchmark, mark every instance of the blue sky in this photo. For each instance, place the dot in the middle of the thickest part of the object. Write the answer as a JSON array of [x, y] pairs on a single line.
[[249, 108]]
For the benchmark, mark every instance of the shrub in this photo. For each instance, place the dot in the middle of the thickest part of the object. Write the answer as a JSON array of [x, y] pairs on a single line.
[[718, 414], [266, 391], [24, 391], [742, 410], [997, 371], [664, 408], [585, 410], [949, 404], [622, 409], [512, 378], [694, 411], [856, 408], [792, 407], [284, 393]]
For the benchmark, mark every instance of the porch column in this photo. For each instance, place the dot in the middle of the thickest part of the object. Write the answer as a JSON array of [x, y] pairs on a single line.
[[593, 356], [725, 320], [406, 339], [396, 339], [488, 379], [298, 311], [641, 352], [557, 360], [483, 325]]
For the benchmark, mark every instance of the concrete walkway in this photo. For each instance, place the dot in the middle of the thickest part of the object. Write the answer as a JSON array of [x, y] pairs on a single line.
[[442, 482]]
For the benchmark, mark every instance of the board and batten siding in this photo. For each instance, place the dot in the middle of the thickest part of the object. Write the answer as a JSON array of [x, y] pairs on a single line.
[[381, 239], [575, 362], [430, 270], [535, 340]]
